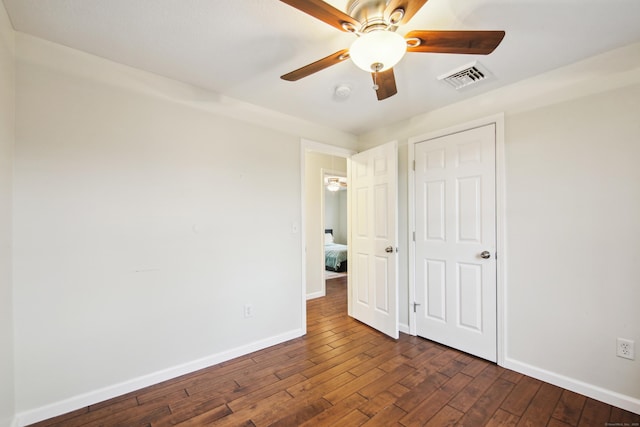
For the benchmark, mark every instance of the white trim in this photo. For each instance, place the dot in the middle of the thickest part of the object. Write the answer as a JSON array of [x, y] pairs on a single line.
[[93, 397], [320, 147], [604, 395], [404, 328], [498, 120], [501, 238], [411, 225], [318, 294], [349, 240], [303, 239]]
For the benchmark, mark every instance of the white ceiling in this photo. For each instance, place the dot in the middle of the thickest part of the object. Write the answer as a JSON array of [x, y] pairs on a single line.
[[241, 48]]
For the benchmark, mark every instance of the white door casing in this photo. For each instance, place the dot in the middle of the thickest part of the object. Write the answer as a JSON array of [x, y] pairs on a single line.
[[373, 293], [455, 220]]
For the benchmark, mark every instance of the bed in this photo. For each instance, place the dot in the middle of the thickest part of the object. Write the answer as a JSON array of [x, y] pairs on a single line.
[[335, 254]]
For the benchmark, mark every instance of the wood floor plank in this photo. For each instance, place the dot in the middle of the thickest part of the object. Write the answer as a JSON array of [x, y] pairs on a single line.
[[387, 380], [503, 418], [132, 417], [338, 413], [569, 408], [338, 394], [319, 389], [239, 402], [338, 363], [447, 416], [554, 422], [378, 403], [620, 416], [594, 413], [541, 408], [387, 416], [418, 392], [468, 397], [343, 373], [268, 409], [518, 401], [197, 415], [436, 401], [486, 406], [303, 414]]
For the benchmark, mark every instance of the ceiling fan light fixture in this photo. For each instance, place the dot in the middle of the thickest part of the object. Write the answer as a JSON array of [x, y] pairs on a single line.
[[378, 47], [334, 186]]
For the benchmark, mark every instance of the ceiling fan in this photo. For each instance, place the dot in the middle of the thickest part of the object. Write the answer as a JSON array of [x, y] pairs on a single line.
[[378, 47], [335, 183]]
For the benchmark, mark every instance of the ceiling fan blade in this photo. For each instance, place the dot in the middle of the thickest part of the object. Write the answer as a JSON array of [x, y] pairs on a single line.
[[469, 42], [324, 12], [386, 82], [319, 65], [410, 7]]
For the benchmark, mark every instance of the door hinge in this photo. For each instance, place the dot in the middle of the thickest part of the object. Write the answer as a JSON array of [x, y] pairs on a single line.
[[414, 236], [415, 306], [414, 165]]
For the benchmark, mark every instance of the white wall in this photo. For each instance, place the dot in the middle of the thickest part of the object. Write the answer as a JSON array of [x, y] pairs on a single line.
[[146, 215], [572, 209], [315, 163], [573, 190], [7, 137]]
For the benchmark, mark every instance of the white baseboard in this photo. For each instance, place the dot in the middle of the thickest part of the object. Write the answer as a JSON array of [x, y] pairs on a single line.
[[313, 295], [607, 396], [49, 411], [404, 328]]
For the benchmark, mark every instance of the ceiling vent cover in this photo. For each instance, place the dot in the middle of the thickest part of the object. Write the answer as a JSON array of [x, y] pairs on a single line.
[[465, 76]]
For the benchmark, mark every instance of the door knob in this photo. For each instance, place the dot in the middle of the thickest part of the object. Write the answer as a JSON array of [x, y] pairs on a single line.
[[388, 249], [485, 254]]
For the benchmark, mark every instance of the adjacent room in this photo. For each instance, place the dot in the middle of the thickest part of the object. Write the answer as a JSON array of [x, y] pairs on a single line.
[[165, 206]]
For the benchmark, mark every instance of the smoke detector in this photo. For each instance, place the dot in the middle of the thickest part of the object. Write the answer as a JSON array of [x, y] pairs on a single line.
[[466, 75], [342, 92]]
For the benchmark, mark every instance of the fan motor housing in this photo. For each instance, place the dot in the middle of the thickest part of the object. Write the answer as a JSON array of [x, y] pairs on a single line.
[[370, 13]]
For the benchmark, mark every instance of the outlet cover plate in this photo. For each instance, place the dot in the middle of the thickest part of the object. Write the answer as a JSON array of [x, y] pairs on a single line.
[[625, 348]]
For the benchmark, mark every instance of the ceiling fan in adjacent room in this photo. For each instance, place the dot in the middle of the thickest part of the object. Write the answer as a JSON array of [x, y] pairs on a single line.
[[378, 47]]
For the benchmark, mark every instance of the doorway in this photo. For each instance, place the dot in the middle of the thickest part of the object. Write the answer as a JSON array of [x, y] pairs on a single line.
[[318, 162], [372, 239], [335, 223]]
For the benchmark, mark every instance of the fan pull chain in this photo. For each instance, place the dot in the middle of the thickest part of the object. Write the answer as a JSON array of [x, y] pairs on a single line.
[[376, 67]]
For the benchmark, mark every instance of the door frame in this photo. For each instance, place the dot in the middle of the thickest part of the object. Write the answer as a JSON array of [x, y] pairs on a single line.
[[498, 120], [317, 147]]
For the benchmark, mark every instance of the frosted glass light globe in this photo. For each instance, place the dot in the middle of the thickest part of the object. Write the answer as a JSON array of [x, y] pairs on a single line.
[[378, 47]]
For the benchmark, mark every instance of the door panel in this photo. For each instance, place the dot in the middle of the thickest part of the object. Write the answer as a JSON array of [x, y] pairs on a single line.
[[455, 223], [374, 292]]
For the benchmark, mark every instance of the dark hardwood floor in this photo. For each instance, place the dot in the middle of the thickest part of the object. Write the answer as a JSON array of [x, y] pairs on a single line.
[[343, 373]]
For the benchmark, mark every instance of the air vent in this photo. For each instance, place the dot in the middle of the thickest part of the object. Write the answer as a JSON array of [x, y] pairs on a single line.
[[465, 76]]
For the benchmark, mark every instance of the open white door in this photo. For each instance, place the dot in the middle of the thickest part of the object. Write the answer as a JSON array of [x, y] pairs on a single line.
[[373, 296], [455, 265]]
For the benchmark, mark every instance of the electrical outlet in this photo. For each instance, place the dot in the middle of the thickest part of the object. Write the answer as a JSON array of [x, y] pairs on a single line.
[[625, 348], [248, 311]]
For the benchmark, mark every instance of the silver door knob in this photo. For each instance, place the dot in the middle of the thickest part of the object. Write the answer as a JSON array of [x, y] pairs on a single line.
[[388, 249], [485, 254]]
